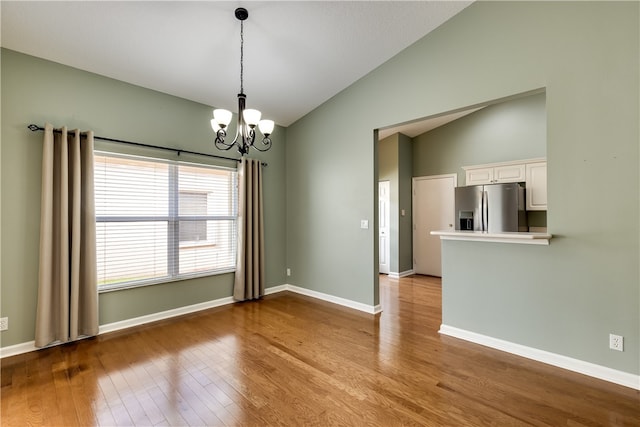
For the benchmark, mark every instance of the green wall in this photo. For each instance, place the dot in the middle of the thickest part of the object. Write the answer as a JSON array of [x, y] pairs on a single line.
[[504, 131], [405, 200], [564, 298], [38, 91]]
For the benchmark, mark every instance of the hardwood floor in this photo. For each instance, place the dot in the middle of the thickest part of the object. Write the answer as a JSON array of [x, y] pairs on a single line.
[[294, 361]]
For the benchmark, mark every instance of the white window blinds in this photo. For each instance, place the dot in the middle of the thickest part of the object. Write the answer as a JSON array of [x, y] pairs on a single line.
[[158, 220]]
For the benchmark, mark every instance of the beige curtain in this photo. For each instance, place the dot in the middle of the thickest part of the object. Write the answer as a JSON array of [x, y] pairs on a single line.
[[67, 290], [249, 280]]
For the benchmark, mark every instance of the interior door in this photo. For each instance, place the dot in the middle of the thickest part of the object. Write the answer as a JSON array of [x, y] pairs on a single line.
[[433, 209], [384, 243]]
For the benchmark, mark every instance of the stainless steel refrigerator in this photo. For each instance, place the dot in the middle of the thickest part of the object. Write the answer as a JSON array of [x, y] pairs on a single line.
[[493, 208]]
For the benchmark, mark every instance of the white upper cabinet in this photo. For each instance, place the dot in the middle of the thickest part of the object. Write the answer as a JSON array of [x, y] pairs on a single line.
[[493, 174], [532, 172], [479, 176], [509, 173], [536, 190]]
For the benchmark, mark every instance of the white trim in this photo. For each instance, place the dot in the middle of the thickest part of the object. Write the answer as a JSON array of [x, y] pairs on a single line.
[[276, 289], [426, 177], [14, 350], [371, 309], [27, 347], [525, 238], [128, 323], [162, 315], [591, 369], [394, 275]]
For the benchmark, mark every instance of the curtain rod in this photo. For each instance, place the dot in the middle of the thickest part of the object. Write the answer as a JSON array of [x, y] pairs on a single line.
[[35, 128]]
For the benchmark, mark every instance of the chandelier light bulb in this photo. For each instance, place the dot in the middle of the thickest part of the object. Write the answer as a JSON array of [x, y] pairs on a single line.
[[222, 117], [266, 127], [251, 117]]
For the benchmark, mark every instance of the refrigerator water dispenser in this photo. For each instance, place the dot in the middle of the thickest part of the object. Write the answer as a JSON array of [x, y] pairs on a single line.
[[466, 220]]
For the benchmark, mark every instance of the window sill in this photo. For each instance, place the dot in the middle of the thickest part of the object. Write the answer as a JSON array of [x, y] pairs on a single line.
[[158, 281]]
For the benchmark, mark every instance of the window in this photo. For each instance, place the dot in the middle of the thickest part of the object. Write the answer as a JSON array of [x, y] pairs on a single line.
[[158, 220], [196, 204]]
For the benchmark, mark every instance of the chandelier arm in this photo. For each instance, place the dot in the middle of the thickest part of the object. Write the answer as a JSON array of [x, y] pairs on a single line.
[[266, 141], [219, 141], [251, 137], [220, 145]]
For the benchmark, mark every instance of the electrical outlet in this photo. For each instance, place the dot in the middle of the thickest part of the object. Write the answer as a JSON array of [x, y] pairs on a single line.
[[288, 272], [616, 342], [4, 323]]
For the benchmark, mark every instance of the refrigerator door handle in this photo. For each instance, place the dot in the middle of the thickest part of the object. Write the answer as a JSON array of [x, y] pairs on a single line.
[[485, 211]]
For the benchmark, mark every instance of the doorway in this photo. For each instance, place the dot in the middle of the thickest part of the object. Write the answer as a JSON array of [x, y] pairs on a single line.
[[433, 209]]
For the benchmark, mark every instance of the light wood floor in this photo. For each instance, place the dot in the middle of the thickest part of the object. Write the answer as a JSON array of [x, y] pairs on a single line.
[[294, 361]]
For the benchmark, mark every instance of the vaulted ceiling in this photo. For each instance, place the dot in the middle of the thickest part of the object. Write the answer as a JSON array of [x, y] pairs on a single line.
[[297, 54]]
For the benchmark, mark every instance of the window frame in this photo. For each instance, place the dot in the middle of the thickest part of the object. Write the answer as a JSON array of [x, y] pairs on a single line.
[[173, 220]]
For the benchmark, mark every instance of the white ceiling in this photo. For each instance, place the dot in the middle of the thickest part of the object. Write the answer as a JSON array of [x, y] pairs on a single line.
[[297, 54], [420, 126]]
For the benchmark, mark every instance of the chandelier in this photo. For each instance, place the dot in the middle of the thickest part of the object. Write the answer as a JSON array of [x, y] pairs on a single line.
[[248, 118]]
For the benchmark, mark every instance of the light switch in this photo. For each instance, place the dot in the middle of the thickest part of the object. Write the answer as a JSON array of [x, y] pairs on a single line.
[[364, 223], [401, 212]]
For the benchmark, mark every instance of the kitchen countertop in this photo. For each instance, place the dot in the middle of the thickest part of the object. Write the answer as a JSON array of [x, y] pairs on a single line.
[[482, 236]]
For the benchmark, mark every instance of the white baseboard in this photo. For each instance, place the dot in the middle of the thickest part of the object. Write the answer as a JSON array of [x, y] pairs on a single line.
[[371, 309], [128, 323], [154, 317], [14, 350], [597, 371], [394, 275], [27, 347], [276, 289]]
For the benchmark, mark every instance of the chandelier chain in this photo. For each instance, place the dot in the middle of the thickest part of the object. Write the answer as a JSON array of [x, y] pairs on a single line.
[[241, 56]]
